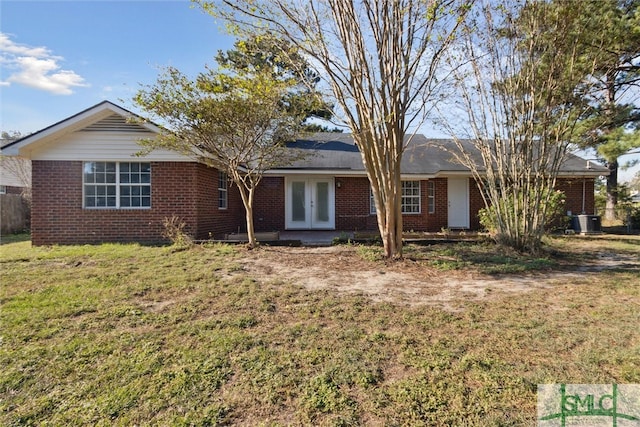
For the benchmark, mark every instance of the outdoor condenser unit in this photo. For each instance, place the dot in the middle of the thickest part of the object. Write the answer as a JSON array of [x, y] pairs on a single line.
[[586, 224]]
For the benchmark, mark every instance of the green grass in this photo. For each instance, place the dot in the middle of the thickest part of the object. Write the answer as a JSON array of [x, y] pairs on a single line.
[[12, 238], [132, 335], [483, 257]]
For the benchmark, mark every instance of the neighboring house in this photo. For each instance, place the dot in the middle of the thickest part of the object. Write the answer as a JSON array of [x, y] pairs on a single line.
[[90, 186], [15, 192], [15, 172]]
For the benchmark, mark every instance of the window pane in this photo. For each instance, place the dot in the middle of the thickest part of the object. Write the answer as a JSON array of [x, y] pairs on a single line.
[[298, 212], [410, 196], [322, 201], [222, 190], [108, 184], [372, 203], [431, 196]]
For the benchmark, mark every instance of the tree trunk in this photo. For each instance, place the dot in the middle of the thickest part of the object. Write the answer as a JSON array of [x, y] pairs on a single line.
[[246, 194], [612, 191], [251, 234], [391, 232], [390, 217]]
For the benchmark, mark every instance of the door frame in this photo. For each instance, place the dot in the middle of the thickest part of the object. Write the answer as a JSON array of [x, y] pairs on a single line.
[[310, 191], [458, 211]]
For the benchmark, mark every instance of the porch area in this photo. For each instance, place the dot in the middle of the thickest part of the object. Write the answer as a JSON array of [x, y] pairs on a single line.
[[328, 237]]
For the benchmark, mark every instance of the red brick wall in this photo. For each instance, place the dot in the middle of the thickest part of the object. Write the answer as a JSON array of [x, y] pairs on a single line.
[[439, 219], [268, 207], [475, 204], [177, 188], [352, 204], [190, 191], [573, 190], [212, 221], [352, 207]]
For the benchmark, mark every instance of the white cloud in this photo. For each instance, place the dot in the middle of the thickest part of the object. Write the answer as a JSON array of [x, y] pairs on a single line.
[[36, 67]]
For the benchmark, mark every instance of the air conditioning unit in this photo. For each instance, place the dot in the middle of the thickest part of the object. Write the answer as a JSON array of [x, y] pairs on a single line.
[[586, 224]]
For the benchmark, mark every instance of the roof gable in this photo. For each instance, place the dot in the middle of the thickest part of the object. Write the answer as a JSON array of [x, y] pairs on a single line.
[[104, 116]]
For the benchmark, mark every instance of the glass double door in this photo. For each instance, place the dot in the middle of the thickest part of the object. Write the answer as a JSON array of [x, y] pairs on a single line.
[[310, 203]]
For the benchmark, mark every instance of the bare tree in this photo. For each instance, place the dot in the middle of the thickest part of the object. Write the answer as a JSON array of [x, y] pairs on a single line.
[[380, 60], [521, 109]]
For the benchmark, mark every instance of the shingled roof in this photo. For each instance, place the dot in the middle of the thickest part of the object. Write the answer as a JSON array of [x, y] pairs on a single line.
[[337, 152]]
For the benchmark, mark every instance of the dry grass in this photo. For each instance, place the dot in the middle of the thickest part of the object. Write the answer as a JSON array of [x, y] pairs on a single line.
[[130, 335]]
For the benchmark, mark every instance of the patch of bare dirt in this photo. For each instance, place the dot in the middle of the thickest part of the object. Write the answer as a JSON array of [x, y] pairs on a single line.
[[342, 269]]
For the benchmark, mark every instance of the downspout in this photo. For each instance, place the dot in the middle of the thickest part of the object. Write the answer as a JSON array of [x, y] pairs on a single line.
[[584, 194]]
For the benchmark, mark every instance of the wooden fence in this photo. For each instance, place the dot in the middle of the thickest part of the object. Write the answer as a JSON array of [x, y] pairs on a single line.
[[14, 214]]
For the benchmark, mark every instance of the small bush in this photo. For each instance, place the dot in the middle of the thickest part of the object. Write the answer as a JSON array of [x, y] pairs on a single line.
[[174, 232], [632, 217]]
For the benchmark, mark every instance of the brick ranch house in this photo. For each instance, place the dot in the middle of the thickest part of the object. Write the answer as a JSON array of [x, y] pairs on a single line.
[[89, 186]]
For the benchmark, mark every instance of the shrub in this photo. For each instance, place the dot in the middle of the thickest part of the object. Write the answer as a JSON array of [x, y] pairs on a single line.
[[174, 232]]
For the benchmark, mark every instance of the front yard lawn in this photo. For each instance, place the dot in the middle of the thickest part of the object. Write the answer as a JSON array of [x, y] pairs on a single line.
[[132, 335]]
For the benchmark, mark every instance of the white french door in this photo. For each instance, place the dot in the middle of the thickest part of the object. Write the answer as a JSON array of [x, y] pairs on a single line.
[[310, 203]]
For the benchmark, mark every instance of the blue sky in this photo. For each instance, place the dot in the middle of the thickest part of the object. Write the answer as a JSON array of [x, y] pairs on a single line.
[[58, 58]]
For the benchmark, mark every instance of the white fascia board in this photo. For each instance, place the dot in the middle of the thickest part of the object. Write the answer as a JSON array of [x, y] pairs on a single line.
[[453, 174], [583, 174], [339, 173], [323, 172]]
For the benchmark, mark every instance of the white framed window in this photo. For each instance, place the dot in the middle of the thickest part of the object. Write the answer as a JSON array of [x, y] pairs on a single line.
[[431, 197], [116, 185], [410, 198], [223, 192], [3, 189]]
